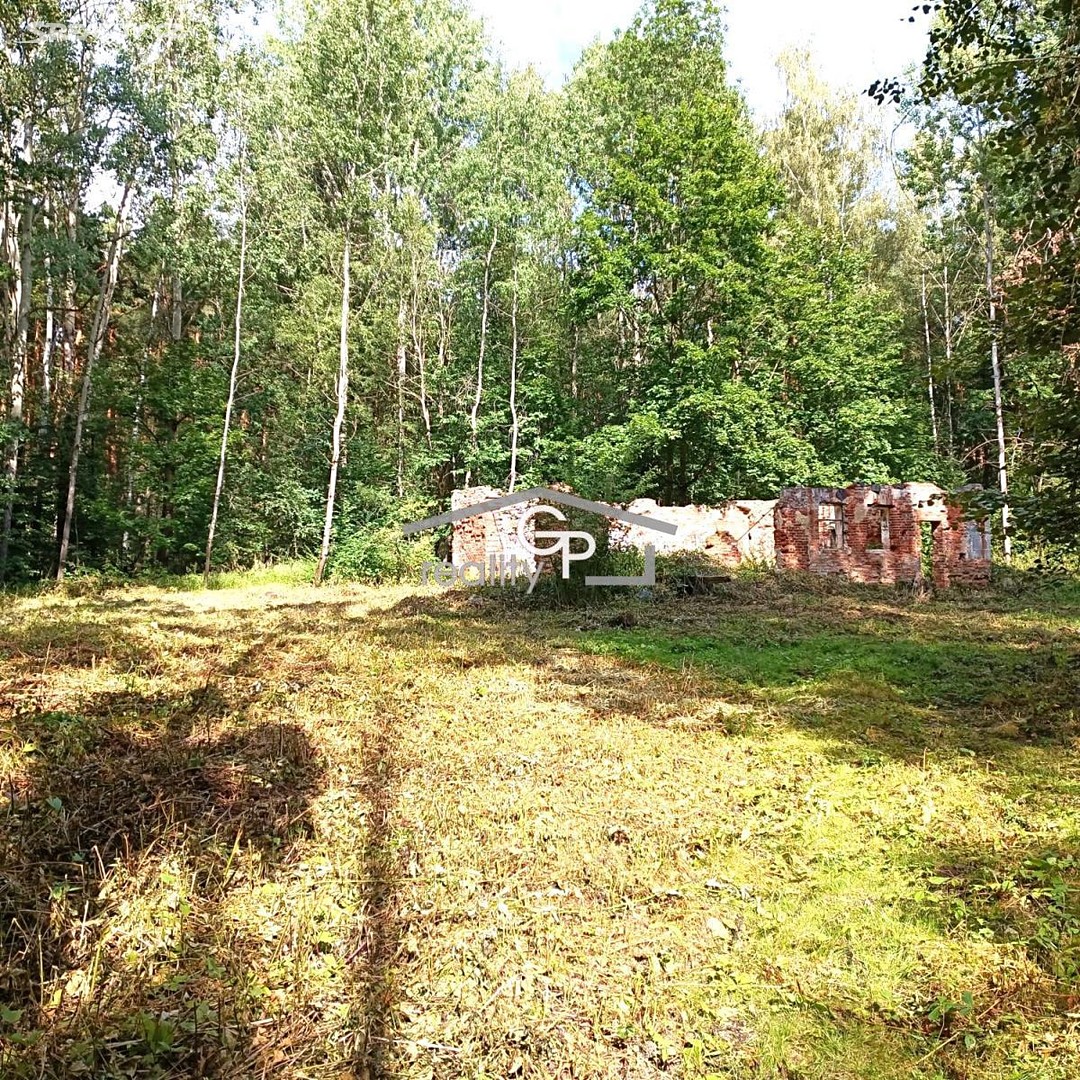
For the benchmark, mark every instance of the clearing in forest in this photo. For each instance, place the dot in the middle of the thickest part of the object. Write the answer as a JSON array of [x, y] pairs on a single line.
[[785, 831]]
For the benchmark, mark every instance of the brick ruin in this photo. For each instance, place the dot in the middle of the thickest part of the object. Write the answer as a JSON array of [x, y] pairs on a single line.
[[476, 539], [874, 533], [871, 533], [739, 531]]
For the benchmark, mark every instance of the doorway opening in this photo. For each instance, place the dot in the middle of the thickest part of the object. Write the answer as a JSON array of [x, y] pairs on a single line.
[[928, 535]]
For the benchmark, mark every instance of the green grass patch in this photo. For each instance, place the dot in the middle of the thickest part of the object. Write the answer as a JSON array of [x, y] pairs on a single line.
[[931, 672], [779, 832]]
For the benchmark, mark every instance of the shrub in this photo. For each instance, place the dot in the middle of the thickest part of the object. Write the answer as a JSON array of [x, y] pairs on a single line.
[[380, 555]]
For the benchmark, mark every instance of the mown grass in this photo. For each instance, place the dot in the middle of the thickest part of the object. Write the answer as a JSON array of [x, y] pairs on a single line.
[[789, 830]]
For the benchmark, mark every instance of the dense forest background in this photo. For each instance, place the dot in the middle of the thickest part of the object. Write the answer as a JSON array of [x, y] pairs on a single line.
[[273, 299]]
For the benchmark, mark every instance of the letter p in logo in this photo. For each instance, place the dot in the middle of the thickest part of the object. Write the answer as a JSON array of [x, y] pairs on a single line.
[[562, 539]]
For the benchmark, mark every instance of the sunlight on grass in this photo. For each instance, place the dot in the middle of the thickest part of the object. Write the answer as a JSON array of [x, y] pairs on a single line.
[[268, 830]]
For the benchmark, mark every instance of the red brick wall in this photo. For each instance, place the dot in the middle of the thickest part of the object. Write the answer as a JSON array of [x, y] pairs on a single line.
[[952, 562], [798, 541], [475, 539], [792, 529]]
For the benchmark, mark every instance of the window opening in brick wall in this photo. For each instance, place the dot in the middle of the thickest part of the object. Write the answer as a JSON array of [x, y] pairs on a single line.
[[927, 544], [831, 526], [877, 528], [976, 540]]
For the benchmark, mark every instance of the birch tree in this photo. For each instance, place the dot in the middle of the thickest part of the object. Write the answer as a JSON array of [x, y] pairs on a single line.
[[356, 78], [485, 312], [95, 341], [341, 393], [995, 368], [18, 235], [515, 419], [234, 371], [929, 363], [20, 77]]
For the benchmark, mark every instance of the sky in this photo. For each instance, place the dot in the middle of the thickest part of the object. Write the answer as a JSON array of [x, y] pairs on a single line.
[[853, 42]]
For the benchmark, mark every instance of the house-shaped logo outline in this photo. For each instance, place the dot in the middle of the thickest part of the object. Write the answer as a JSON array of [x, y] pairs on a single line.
[[540, 494], [547, 495]]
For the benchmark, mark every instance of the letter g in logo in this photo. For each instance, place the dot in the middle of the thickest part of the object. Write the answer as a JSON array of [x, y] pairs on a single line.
[[562, 539]]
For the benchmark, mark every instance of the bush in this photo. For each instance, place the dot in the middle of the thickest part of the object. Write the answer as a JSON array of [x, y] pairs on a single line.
[[290, 573], [86, 582], [378, 554]]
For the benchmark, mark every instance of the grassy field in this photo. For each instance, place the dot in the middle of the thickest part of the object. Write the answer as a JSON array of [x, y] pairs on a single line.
[[786, 830]]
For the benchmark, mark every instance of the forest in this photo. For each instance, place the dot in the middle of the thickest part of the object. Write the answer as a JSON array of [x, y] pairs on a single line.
[[277, 280], [267, 296]]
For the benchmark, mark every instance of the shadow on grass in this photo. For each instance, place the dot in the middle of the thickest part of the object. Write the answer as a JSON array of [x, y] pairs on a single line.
[[134, 825], [380, 932], [880, 683], [134, 789], [1006, 688], [102, 798], [1021, 902]]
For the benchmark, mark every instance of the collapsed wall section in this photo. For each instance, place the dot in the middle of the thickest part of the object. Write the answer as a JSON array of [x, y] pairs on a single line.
[[728, 534]]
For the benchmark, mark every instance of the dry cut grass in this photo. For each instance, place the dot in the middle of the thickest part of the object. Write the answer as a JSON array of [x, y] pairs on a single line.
[[787, 831]]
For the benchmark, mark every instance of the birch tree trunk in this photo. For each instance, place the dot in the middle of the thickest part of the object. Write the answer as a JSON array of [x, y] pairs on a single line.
[[574, 365], [443, 355], [995, 364], [402, 368], [485, 307], [176, 329], [98, 329], [220, 483], [421, 366], [948, 356], [67, 344], [515, 422], [339, 418], [45, 441], [929, 366], [47, 349], [176, 303], [20, 243], [136, 415]]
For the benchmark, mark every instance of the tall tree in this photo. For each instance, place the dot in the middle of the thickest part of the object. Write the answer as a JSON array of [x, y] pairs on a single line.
[[96, 340], [1013, 67], [238, 324]]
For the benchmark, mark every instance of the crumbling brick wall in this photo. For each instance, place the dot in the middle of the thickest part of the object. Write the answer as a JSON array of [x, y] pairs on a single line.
[[476, 539], [868, 533], [873, 534], [729, 534], [960, 547], [700, 529], [961, 551]]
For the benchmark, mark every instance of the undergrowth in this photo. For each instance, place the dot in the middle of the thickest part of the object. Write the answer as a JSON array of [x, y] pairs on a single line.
[[784, 829]]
